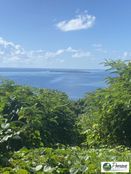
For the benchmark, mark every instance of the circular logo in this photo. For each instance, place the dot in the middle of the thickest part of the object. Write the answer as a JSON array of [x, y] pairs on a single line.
[[107, 166]]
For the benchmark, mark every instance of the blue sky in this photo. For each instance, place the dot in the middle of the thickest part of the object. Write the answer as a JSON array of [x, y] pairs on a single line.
[[64, 33]]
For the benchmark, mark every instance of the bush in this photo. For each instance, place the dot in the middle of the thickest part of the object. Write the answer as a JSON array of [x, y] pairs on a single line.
[[31, 117], [107, 117], [71, 160]]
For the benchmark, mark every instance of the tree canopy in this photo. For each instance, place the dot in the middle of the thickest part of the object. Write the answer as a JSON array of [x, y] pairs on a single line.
[[107, 113]]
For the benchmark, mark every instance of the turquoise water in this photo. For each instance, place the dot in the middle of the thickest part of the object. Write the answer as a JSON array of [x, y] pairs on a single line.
[[74, 83]]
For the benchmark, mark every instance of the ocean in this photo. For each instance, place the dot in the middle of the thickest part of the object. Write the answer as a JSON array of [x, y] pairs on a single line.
[[75, 83]]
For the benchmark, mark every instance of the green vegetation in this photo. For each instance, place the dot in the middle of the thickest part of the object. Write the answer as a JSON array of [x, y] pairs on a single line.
[[107, 116], [64, 160], [43, 131]]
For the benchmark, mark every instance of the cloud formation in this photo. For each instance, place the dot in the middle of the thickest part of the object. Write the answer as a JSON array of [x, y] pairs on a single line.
[[13, 55], [82, 21], [99, 48], [52, 54]]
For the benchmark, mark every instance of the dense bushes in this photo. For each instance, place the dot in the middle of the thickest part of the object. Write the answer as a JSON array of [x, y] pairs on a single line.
[[107, 117], [34, 117], [66, 160]]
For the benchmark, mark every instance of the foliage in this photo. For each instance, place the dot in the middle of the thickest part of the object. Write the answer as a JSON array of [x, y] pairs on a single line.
[[71, 160], [31, 117], [107, 113]]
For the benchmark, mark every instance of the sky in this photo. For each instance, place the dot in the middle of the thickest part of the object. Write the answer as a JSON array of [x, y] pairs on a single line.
[[73, 34]]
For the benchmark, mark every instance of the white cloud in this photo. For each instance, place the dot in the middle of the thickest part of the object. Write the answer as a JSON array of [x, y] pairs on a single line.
[[82, 21], [46, 54], [126, 55], [53, 54], [99, 48], [76, 53], [71, 50], [13, 55], [80, 54]]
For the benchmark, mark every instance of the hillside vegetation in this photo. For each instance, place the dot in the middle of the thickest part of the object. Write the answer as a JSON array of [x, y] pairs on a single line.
[[43, 131]]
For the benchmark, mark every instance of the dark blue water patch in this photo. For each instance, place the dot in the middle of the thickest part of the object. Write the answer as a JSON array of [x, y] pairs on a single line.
[[75, 83]]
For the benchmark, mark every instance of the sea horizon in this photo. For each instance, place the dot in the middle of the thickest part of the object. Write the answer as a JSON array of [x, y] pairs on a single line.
[[74, 82], [46, 68]]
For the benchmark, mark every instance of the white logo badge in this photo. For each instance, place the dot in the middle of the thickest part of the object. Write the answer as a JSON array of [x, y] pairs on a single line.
[[114, 167]]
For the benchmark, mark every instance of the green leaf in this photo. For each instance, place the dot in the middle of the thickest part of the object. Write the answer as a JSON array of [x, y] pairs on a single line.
[[22, 171]]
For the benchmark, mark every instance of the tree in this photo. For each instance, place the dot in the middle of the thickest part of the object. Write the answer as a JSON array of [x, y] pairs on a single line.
[[107, 117], [32, 117]]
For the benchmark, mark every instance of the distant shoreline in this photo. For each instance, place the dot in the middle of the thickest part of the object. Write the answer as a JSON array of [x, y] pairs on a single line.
[[14, 69]]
